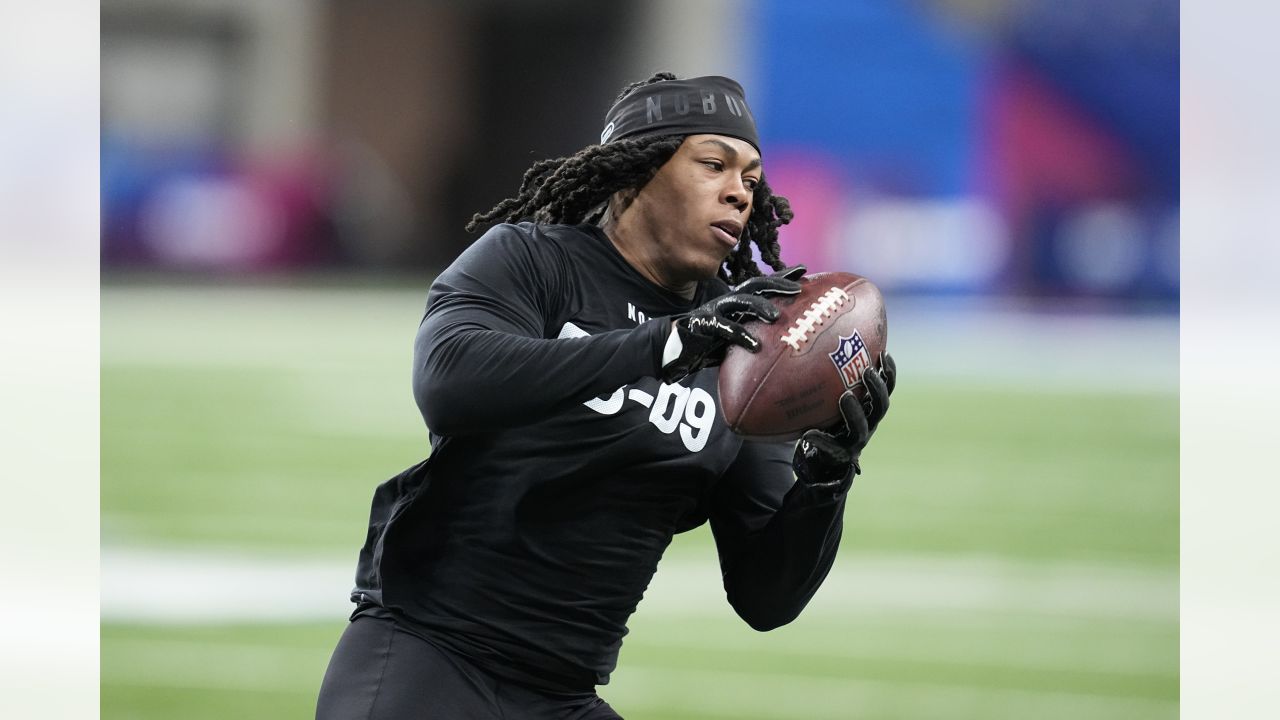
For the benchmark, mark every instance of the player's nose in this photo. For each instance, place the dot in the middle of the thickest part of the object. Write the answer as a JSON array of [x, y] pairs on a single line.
[[736, 193]]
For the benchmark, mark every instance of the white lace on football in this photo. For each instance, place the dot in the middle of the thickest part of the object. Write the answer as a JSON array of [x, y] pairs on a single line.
[[799, 333]]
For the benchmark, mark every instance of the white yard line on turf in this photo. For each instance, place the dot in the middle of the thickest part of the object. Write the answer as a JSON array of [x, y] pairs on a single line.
[[143, 585]]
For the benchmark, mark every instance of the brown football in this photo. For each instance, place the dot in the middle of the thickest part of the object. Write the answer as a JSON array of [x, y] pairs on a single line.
[[824, 339]]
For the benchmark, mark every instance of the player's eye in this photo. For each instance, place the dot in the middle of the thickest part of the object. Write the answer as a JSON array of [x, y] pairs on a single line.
[[714, 165], [751, 183]]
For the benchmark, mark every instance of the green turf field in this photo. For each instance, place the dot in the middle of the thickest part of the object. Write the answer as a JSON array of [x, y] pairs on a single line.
[[1008, 553]]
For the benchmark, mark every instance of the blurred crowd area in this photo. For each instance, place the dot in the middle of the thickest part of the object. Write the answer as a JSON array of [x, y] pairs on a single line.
[[1024, 148]]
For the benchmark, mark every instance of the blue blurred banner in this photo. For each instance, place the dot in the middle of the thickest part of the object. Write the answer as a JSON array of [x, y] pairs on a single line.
[[942, 147]]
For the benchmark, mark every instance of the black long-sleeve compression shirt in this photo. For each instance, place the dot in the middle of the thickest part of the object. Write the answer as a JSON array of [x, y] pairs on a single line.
[[562, 467]]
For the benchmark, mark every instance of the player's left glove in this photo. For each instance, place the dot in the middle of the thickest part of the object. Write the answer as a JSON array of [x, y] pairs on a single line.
[[700, 338], [829, 460]]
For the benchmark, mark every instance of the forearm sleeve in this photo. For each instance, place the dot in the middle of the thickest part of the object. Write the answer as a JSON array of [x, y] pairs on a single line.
[[488, 353], [776, 538]]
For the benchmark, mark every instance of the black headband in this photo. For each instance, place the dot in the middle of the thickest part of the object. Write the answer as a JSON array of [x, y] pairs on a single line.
[[713, 104]]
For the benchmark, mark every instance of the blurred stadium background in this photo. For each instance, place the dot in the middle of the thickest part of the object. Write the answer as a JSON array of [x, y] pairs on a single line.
[[281, 180]]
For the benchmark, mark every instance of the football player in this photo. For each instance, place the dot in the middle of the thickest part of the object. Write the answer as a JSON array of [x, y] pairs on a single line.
[[566, 369]]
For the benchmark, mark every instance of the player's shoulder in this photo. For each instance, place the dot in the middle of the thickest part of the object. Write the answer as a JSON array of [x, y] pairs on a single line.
[[537, 242], [530, 258]]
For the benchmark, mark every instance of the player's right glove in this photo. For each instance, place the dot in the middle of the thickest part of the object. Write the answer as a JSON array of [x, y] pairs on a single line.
[[829, 460], [700, 338]]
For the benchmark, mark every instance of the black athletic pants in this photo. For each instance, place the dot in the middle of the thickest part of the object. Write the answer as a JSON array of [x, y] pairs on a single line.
[[380, 671]]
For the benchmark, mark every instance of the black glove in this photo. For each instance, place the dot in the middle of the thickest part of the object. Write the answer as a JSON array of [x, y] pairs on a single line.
[[829, 460], [700, 338]]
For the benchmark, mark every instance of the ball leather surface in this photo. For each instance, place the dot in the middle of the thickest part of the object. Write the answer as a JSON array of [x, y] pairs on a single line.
[[824, 339]]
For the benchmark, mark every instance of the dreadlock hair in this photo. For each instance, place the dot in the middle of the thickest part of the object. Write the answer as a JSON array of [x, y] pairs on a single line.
[[573, 189]]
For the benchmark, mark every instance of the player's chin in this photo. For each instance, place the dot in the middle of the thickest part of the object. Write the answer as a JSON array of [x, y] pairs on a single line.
[[714, 260], [712, 268], [701, 266]]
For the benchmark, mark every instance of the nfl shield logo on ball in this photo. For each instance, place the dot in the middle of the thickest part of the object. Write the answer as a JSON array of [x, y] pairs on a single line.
[[851, 359]]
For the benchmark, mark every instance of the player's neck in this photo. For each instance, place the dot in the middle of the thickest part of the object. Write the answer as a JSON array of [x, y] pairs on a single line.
[[637, 250]]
